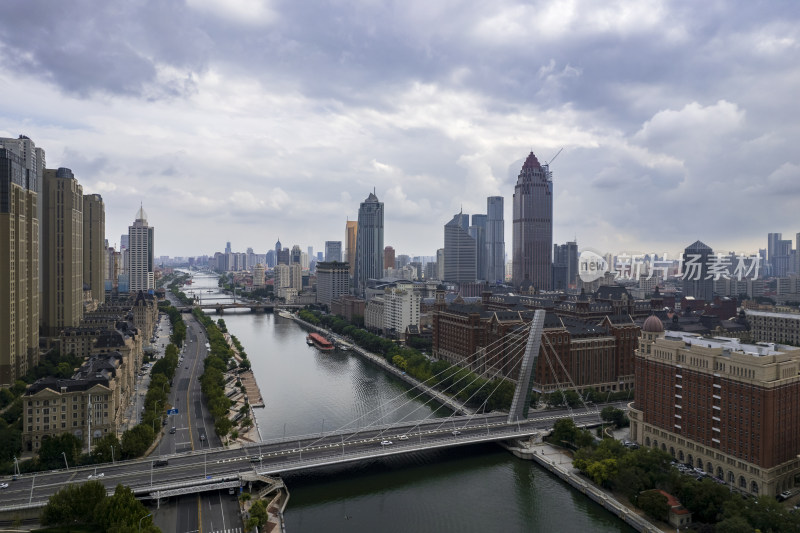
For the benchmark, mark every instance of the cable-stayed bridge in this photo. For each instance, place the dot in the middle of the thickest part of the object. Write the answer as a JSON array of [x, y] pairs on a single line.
[[220, 468]]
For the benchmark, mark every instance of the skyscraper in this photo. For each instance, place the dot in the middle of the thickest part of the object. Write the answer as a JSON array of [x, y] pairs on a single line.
[[533, 225], [369, 243], [333, 251], [140, 254], [350, 240], [565, 265], [460, 265], [228, 247], [477, 231], [62, 264], [695, 270], [495, 240], [19, 266], [94, 245]]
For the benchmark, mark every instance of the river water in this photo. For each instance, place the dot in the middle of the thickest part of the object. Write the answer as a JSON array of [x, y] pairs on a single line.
[[480, 488]]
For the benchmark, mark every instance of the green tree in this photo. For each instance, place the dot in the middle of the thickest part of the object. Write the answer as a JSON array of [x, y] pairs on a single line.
[[603, 471], [74, 504], [654, 504], [10, 441], [136, 440], [122, 512], [734, 524], [53, 450], [102, 449]]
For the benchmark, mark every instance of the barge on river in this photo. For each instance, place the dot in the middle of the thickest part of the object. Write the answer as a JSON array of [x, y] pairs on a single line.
[[321, 343]]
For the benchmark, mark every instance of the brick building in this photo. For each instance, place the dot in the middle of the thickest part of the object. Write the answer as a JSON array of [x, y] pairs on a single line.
[[490, 340], [730, 408]]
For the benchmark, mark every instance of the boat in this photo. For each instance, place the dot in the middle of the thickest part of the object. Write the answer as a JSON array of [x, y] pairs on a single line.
[[284, 314], [309, 341], [321, 343]]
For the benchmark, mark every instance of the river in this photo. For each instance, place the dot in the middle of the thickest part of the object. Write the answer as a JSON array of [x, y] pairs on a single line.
[[479, 488]]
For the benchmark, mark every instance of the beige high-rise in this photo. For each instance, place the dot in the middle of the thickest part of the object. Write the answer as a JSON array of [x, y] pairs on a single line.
[[350, 240], [94, 257], [62, 264], [19, 265]]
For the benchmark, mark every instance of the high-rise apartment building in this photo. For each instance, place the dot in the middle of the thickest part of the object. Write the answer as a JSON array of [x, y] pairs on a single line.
[[333, 281], [350, 241], [388, 257], [94, 246], [62, 263], [369, 243], [33, 162], [19, 265], [140, 254], [460, 257], [333, 251], [440, 264], [533, 226], [495, 240]]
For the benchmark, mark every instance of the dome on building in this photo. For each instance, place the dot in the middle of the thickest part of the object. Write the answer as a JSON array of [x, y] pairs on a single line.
[[653, 325]]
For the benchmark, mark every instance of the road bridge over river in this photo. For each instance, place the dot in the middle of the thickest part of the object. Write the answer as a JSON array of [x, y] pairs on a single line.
[[219, 468]]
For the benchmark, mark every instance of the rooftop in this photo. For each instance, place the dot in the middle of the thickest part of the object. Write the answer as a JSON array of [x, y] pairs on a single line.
[[728, 343]]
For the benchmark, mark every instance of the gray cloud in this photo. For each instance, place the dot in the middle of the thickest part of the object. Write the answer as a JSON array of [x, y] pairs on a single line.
[[675, 119]]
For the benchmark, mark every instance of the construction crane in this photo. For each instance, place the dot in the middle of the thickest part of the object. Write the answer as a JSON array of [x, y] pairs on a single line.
[[554, 157]]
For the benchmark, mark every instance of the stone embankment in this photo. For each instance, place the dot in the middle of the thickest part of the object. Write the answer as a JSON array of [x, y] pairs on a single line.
[[251, 396], [559, 463]]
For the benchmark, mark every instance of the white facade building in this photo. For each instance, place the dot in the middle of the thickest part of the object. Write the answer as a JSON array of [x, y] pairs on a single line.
[[140, 254], [401, 308]]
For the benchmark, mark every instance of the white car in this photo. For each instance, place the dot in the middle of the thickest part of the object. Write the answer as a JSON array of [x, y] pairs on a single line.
[[403, 437], [386, 443], [456, 432], [96, 476], [3, 485]]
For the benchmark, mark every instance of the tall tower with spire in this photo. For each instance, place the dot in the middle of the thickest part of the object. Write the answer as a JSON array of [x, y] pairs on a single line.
[[533, 226], [369, 243], [140, 253]]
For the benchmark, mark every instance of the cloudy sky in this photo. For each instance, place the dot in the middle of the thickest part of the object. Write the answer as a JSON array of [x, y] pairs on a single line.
[[249, 120]]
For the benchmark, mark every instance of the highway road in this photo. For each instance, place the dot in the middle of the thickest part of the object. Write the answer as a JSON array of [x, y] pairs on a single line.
[[194, 431]]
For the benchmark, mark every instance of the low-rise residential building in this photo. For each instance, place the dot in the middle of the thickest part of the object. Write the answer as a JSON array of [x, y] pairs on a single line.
[[88, 405]]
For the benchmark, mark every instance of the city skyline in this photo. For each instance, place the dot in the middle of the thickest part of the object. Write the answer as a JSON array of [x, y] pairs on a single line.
[[222, 134]]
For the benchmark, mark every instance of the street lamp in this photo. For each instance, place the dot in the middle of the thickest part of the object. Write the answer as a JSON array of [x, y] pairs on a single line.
[[112, 455], [142, 518], [65, 459]]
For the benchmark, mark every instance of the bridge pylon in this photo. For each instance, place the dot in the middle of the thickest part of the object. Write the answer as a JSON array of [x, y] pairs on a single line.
[[520, 402]]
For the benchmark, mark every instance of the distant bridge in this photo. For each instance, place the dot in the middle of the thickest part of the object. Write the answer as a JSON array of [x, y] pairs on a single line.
[[254, 307]]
